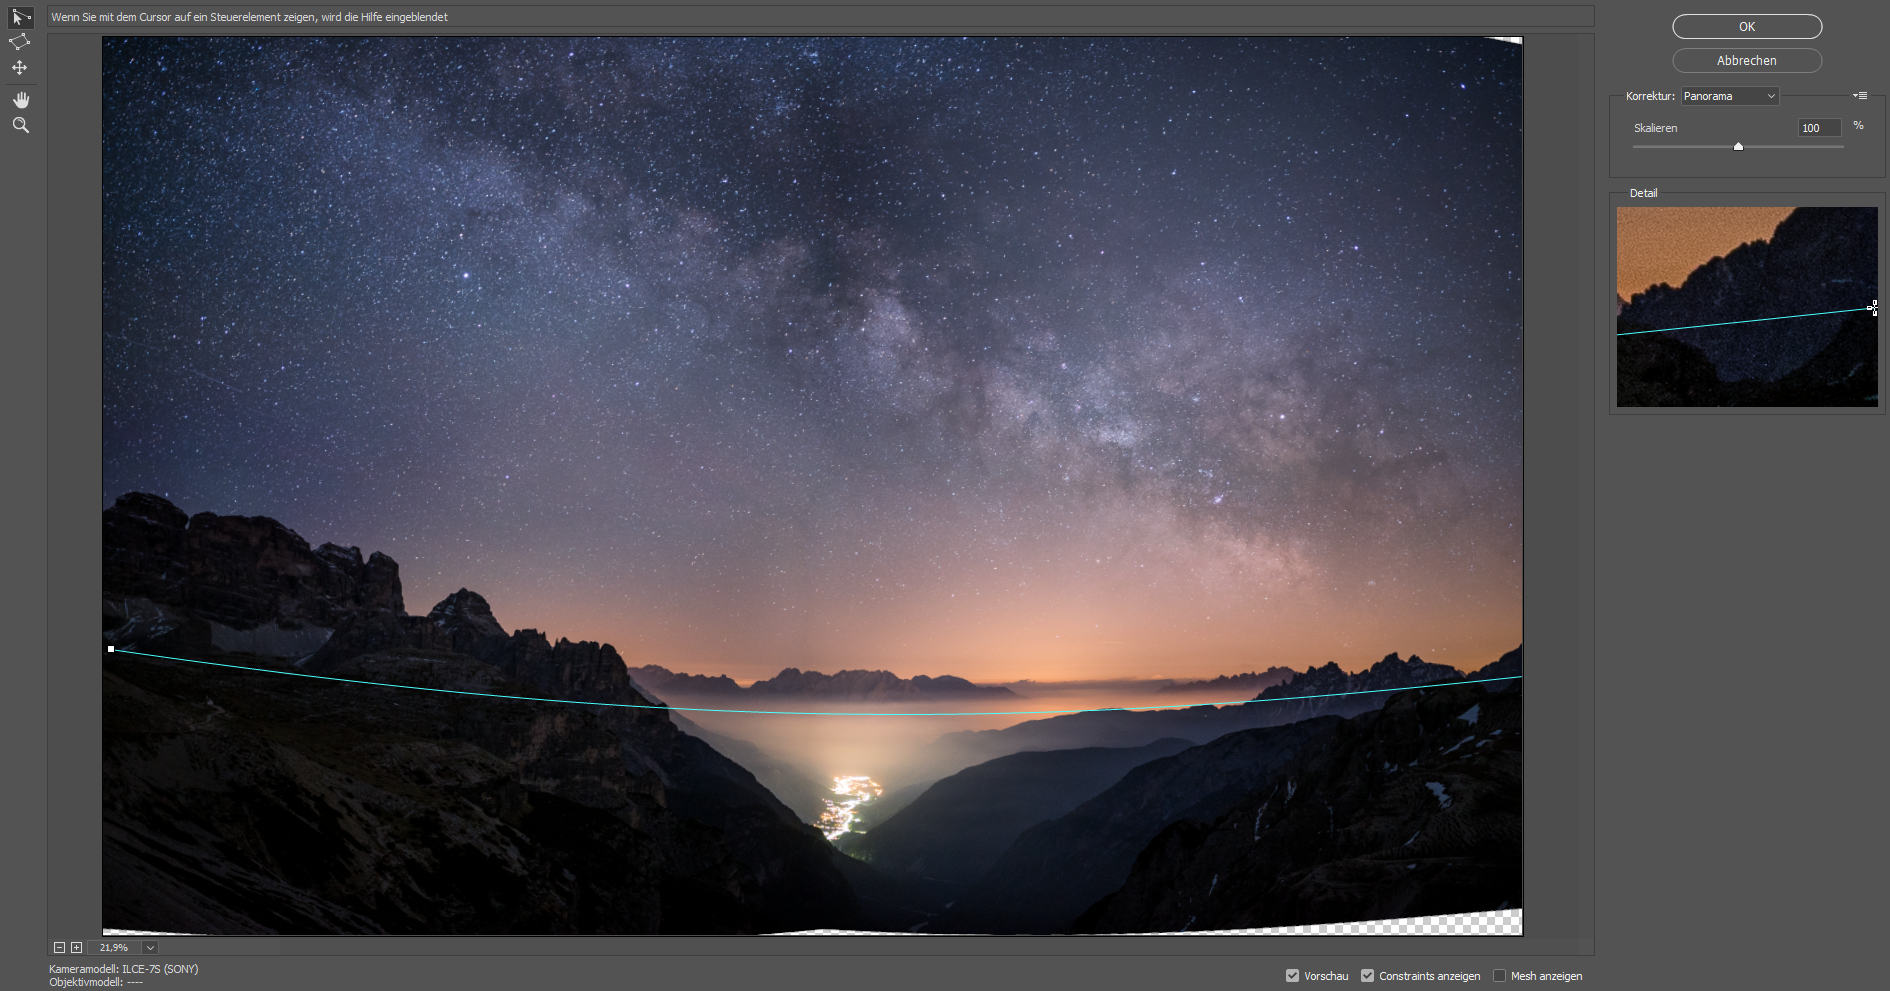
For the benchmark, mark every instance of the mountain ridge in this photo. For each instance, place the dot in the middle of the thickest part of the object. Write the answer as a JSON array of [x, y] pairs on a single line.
[[1246, 682], [853, 685], [498, 794]]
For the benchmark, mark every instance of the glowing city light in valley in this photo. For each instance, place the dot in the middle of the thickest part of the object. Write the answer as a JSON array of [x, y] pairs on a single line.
[[856, 790]]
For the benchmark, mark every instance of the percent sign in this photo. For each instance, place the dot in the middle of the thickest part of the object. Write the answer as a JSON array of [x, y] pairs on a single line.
[[1858, 124]]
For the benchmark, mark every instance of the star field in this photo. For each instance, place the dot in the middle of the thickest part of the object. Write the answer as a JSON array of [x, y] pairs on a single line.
[[994, 357]]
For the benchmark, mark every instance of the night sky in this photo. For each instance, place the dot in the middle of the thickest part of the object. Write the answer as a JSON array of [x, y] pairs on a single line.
[[997, 358]]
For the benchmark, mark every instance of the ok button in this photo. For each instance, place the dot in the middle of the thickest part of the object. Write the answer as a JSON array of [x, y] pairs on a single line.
[[1761, 27]]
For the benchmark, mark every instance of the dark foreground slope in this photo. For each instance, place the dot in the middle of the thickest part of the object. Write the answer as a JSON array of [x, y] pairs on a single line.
[[958, 827], [243, 801], [238, 802], [1055, 869], [1412, 810], [800, 793]]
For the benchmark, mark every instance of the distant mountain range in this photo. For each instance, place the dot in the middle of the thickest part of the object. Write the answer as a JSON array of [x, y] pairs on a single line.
[[1228, 687], [1275, 706], [1819, 259], [841, 686]]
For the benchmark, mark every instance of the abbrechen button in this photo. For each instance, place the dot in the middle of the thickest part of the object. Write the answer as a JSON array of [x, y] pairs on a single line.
[[1748, 60], [1758, 27]]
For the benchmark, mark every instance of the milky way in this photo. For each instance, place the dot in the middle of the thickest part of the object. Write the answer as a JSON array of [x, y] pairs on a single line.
[[998, 358]]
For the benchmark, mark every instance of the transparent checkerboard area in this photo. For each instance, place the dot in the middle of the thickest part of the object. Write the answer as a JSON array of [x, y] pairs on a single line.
[[1501, 922]]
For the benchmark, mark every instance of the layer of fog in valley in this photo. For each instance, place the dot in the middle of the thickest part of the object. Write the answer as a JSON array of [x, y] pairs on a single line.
[[902, 749]]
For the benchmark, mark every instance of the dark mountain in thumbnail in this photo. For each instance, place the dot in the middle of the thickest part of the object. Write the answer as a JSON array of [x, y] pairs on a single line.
[[958, 827], [841, 686], [662, 680], [1415, 809], [1820, 260], [259, 801], [1276, 706], [1661, 370]]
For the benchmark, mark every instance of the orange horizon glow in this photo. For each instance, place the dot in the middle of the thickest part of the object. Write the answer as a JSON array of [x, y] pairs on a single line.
[[1664, 244], [1135, 598], [1072, 647]]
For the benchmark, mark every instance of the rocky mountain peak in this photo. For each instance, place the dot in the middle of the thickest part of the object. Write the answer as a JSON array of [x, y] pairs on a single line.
[[238, 571], [466, 610], [1391, 672], [155, 510]]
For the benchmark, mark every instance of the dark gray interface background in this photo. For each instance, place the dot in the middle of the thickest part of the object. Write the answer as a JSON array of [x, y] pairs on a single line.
[[1689, 579]]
